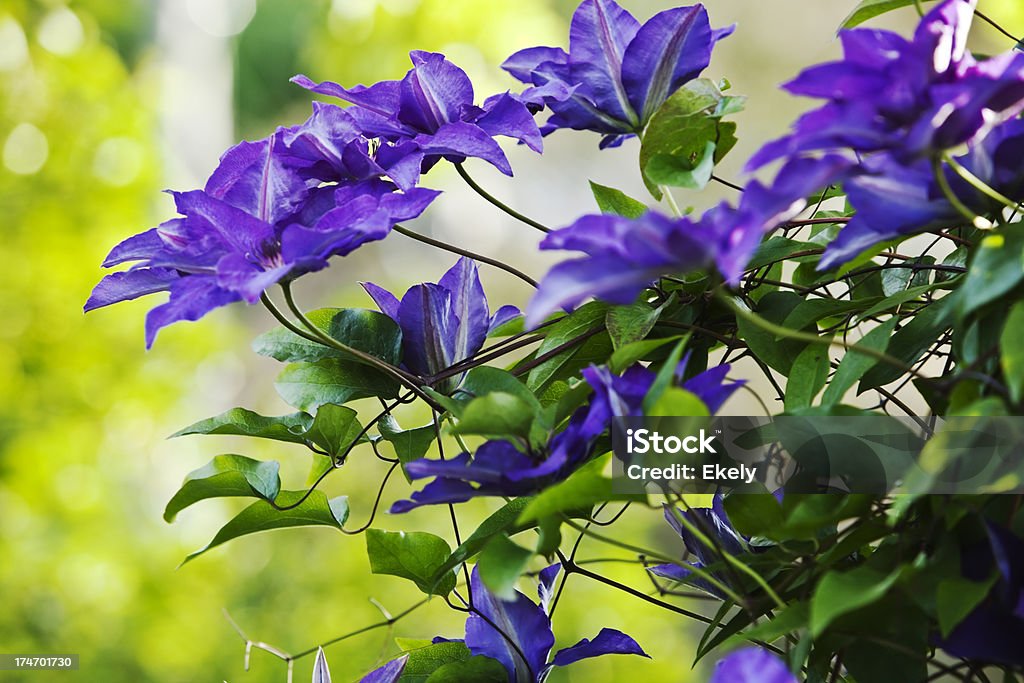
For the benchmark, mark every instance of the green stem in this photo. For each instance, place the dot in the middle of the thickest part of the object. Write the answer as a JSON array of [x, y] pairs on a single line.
[[670, 200], [940, 177], [465, 252], [786, 333], [697, 571], [979, 184], [497, 202]]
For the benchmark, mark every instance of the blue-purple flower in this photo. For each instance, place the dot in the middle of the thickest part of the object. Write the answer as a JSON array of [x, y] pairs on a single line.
[[994, 630], [617, 72], [910, 98], [524, 642], [624, 255], [432, 110], [713, 523], [442, 323], [260, 219], [499, 468], [752, 665]]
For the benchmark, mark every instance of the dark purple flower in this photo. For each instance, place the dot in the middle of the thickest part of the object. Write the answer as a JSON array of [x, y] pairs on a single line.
[[616, 73], [432, 108], [714, 523], [258, 221], [994, 630], [895, 200], [524, 642], [499, 468], [442, 323], [524, 647], [752, 665], [624, 255], [910, 98]]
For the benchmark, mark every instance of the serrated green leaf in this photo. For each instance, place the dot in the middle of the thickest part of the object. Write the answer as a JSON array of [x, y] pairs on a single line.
[[413, 555], [309, 385], [364, 330], [242, 422], [226, 476], [617, 202], [315, 510]]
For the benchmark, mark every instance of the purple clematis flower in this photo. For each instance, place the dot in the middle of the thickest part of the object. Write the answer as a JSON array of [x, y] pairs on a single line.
[[895, 200], [442, 323], [524, 643], [714, 523], [257, 222], [623, 255], [993, 630], [752, 665], [910, 98], [432, 108], [500, 469], [617, 72]]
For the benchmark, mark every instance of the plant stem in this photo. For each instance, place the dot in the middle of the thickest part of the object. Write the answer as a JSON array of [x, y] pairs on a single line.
[[940, 177], [979, 184], [671, 201], [497, 202], [465, 252]]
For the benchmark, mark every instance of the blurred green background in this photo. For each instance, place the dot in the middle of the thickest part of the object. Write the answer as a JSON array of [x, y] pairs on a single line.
[[105, 102]]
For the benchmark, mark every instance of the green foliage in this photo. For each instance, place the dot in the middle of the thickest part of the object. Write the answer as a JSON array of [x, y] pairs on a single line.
[[413, 555], [617, 202], [307, 386], [368, 331], [226, 475]]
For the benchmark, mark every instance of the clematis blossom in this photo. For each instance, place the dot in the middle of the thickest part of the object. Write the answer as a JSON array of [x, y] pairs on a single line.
[[258, 221], [498, 468], [431, 110], [623, 255], [524, 643], [752, 665], [442, 323], [617, 72]]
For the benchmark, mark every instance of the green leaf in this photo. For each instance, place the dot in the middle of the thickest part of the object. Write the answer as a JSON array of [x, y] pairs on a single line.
[[309, 385], [583, 489], [909, 343], [502, 521], [413, 555], [629, 354], [582, 320], [793, 618], [485, 380], [497, 414], [776, 249], [692, 172], [777, 354], [676, 402], [334, 429], [409, 444], [363, 330], [807, 376], [998, 267], [841, 593], [869, 9], [478, 669], [1012, 357], [629, 324], [754, 514], [242, 422], [501, 564], [315, 510], [854, 364], [687, 131], [955, 598], [224, 476], [665, 378], [617, 202]]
